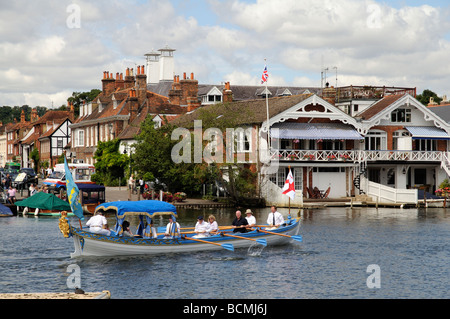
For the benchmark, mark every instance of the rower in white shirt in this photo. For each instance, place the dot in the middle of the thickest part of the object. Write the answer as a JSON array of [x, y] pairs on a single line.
[[98, 224], [275, 219], [202, 228]]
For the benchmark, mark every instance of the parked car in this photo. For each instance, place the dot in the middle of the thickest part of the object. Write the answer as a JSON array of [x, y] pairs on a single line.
[[32, 177]]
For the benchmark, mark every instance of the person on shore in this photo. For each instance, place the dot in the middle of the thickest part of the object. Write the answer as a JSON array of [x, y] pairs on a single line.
[[201, 228], [98, 224], [12, 195], [250, 218], [239, 223], [141, 185], [213, 226], [275, 219], [32, 190], [7, 181], [131, 183], [170, 231], [126, 229]]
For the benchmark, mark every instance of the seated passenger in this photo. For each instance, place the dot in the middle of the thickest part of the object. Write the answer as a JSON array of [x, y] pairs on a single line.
[[98, 224], [170, 232], [250, 218], [239, 223], [213, 226], [126, 229], [201, 228]]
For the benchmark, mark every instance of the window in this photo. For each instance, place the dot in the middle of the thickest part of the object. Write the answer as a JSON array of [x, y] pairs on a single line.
[[332, 145], [243, 140], [420, 176], [286, 144], [401, 116], [79, 138], [425, 145], [375, 140]]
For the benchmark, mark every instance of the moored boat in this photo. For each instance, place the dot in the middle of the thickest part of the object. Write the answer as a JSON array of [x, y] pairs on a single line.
[[151, 240]]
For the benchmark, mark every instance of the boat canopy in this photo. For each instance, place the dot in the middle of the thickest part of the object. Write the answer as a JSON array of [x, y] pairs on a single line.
[[147, 208]]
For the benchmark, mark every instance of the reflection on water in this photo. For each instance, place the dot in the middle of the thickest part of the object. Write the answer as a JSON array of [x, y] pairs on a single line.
[[409, 245]]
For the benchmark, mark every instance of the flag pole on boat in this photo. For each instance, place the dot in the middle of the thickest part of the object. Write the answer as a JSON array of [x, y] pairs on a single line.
[[289, 188], [73, 193]]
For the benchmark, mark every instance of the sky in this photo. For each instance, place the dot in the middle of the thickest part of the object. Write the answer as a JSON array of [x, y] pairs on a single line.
[[51, 48]]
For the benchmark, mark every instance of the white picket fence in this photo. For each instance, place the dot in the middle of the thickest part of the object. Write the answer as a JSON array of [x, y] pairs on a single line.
[[385, 194]]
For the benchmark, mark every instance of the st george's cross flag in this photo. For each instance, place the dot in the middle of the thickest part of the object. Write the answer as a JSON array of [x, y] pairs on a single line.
[[265, 75], [289, 188]]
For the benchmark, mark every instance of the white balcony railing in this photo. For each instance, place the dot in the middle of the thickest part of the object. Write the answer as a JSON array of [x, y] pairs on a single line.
[[357, 156]]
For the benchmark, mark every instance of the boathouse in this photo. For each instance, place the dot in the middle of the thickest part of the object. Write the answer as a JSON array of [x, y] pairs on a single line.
[[377, 141]]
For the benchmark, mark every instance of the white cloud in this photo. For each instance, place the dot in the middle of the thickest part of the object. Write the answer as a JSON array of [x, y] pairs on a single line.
[[369, 42]]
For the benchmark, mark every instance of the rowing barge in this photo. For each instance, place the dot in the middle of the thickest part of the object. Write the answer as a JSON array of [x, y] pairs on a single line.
[[151, 240]]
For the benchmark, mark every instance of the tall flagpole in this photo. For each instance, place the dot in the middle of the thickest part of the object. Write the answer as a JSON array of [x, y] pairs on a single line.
[[267, 109], [290, 196]]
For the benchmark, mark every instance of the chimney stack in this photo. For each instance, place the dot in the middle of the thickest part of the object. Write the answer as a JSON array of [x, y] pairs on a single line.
[[108, 84], [132, 104], [129, 79], [141, 83], [189, 88], [175, 94], [329, 94], [120, 83], [227, 93]]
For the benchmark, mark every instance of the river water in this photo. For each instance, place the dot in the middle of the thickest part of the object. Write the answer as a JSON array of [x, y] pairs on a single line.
[[409, 248]]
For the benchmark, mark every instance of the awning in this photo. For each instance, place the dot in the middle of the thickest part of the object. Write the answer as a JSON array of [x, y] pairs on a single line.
[[427, 133], [314, 131]]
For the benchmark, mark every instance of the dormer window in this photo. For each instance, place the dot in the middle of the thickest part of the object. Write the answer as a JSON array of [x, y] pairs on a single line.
[[401, 116], [265, 93], [284, 92]]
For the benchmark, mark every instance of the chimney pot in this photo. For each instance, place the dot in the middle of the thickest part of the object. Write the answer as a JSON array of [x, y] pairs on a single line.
[[192, 76], [184, 75]]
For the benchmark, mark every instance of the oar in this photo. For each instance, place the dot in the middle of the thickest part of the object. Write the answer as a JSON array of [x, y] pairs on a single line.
[[225, 246], [261, 241], [294, 237]]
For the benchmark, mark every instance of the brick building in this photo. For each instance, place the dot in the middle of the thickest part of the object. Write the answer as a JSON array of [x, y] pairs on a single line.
[[120, 108]]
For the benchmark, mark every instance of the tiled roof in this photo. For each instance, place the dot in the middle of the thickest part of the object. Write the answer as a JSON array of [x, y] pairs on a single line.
[[241, 112], [240, 92], [379, 106]]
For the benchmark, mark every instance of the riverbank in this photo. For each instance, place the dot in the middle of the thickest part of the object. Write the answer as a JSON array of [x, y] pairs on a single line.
[[58, 295]]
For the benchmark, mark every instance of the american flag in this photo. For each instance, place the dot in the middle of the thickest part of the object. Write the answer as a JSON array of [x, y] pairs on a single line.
[[265, 75]]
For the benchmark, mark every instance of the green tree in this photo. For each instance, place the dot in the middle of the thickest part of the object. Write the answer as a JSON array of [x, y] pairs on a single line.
[[152, 157], [34, 155], [78, 98], [424, 98], [110, 163]]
